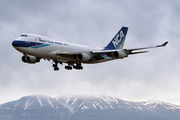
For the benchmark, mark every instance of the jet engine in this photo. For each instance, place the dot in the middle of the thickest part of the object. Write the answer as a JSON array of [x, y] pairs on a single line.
[[83, 57], [119, 54], [30, 59]]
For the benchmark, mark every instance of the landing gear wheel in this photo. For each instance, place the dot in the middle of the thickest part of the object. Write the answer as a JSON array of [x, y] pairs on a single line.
[[68, 67], [54, 65], [56, 68], [78, 66]]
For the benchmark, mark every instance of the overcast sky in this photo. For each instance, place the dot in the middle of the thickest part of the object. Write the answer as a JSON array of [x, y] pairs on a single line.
[[149, 76]]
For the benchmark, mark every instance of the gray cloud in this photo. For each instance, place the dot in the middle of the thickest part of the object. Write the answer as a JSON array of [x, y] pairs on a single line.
[[152, 76]]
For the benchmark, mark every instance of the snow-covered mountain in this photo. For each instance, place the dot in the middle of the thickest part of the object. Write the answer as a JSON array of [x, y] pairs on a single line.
[[41, 107]]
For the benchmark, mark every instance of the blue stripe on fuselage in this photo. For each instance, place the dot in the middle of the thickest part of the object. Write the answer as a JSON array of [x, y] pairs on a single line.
[[23, 43], [41, 46], [17, 43]]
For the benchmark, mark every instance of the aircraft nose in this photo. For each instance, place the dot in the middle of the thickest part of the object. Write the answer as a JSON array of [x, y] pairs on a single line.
[[14, 43]]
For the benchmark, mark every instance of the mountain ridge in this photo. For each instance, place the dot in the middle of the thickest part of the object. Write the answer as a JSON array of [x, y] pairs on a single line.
[[86, 107]]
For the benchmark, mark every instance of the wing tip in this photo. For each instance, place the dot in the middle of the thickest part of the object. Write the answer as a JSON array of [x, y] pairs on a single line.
[[163, 45]]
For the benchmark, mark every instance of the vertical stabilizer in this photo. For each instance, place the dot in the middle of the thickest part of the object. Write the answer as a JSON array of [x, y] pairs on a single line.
[[118, 41]]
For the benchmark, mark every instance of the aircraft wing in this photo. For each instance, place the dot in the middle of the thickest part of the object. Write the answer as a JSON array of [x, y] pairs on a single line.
[[104, 53], [129, 51], [163, 45]]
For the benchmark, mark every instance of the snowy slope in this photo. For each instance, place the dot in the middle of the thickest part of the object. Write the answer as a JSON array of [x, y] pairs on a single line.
[[86, 107], [75, 103]]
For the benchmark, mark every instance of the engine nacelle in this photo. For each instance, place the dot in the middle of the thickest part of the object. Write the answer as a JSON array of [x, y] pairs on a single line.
[[119, 54], [83, 57], [30, 59]]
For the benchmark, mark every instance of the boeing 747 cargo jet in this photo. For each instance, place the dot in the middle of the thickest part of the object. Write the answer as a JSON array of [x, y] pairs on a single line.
[[36, 47]]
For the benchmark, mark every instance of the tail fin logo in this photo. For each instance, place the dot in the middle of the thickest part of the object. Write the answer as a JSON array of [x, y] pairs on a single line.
[[119, 37], [118, 40]]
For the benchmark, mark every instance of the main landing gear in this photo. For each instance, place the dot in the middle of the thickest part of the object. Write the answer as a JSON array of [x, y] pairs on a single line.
[[78, 66], [70, 66], [55, 65]]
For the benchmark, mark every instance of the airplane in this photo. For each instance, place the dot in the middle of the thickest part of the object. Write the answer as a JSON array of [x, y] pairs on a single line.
[[36, 47]]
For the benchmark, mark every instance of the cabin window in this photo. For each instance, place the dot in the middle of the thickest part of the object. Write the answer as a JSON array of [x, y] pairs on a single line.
[[23, 35]]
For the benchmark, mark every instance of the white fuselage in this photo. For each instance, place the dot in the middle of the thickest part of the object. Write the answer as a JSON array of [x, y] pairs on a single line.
[[43, 47], [34, 47]]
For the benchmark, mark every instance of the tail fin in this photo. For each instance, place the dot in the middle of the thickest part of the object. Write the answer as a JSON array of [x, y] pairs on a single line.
[[118, 41]]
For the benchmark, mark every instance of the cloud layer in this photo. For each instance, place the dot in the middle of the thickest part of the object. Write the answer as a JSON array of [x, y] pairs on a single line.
[[152, 76]]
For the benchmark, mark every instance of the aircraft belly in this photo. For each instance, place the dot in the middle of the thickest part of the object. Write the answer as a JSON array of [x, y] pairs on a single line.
[[100, 61]]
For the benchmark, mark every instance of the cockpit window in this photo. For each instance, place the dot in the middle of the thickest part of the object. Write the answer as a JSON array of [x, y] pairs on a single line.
[[23, 35]]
